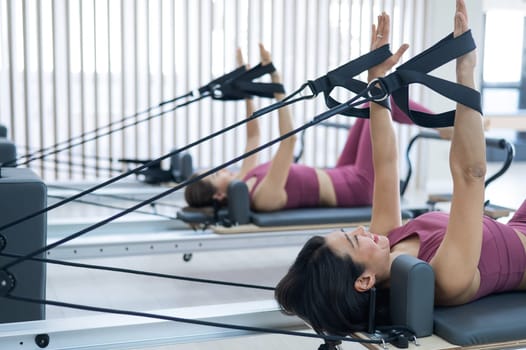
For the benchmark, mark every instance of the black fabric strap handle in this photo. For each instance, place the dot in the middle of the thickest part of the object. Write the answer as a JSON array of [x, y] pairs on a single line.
[[397, 83], [241, 86], [218, 82], [441, 53], [415, 71], [343, 77]]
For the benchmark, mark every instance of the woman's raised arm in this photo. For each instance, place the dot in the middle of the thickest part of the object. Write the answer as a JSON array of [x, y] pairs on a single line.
[[386, 191], [270, 194], [252, 130], [456, 261]]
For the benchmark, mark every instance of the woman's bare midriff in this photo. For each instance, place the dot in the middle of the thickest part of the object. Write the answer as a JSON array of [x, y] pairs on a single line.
[[326, 188]]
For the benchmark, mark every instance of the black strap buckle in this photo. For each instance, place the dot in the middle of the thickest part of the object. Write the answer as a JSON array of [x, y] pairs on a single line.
[[377, 91]]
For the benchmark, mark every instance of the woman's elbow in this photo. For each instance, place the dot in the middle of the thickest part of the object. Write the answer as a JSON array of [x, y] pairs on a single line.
[[291, 140], [474, 172]]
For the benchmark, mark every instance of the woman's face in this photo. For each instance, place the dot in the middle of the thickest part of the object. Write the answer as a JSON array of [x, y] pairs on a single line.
[[221, 179], [365, 248]]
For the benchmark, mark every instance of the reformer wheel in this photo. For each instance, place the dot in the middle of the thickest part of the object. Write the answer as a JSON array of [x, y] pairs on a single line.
[[42, 340]]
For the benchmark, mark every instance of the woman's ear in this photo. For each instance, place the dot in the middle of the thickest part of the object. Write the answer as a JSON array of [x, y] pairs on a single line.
[[365, 282], [219, 196]]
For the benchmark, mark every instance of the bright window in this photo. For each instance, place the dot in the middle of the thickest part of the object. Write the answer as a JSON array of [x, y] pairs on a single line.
[[502, 86]]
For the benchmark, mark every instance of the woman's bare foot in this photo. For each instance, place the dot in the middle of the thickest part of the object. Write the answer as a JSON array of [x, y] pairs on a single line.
[[239, 58], [265, 55], [467, 62], [267, 59]]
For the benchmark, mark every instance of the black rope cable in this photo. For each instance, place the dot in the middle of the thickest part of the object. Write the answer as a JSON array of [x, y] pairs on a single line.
[[32, 156], [234, 85], [83, 157], [110, 206], [78, 165], [99, 135], [115, 196], [365, 95], [29, 149], [194, 321], [141, 273], [75, 167], [287, 101], [370, 93]]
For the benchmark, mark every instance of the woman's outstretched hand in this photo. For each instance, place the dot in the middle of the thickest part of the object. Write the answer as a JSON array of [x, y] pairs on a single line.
[[380, 37]]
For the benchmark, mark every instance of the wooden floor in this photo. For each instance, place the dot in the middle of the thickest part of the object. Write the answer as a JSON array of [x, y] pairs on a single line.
[[256, 266]]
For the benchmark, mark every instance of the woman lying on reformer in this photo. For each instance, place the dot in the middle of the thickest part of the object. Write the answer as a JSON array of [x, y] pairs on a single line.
[[472, 255], [283, 184]]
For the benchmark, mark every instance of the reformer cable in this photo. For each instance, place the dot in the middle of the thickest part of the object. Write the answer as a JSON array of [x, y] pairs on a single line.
[[196, 321], [33, 154], [351, 68], [377, 90], [141, 273], [115, 196], [110, 206], [234, 85], [136, 170], [78, 165], [366, 95], [69, 145]]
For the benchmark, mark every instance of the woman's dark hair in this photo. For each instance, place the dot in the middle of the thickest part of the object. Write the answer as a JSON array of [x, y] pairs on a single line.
[[319, 288], [200, 193]]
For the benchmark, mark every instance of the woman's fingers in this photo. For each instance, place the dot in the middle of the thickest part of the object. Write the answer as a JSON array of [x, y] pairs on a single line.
[[380, 32], [398, 54]]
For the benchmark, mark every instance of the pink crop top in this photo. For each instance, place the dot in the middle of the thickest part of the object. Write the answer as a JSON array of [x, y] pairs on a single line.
[[502, 261], [302, 187]]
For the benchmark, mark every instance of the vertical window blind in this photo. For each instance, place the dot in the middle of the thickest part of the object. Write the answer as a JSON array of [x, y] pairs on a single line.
[[79, 67]]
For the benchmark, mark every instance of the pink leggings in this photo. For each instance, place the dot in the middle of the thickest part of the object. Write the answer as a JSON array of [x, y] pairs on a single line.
[[358, 149], [353, 175]]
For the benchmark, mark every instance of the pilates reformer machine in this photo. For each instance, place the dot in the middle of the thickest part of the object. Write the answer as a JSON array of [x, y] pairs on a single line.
[[493, 322]]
